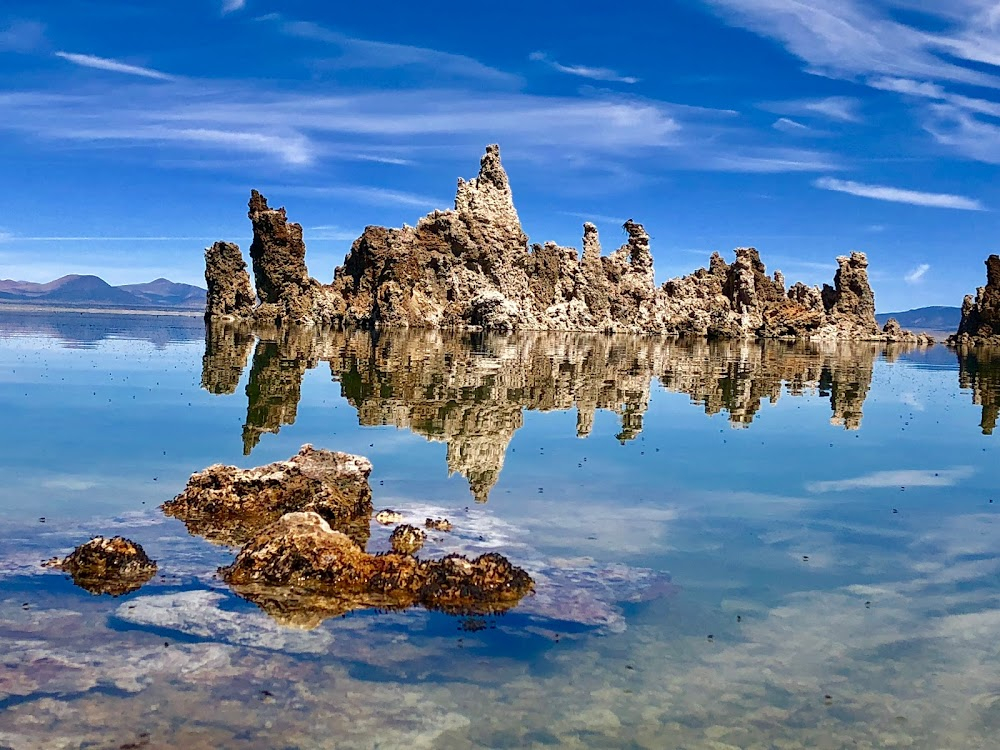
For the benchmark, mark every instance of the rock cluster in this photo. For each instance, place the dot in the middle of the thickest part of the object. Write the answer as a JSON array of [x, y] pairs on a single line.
[[228, 505], [113, 566], [302, 552], [981, 314], [303, 525], [471, 267]]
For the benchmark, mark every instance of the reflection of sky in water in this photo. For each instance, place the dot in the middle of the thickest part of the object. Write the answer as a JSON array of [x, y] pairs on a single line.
[[859, 564]]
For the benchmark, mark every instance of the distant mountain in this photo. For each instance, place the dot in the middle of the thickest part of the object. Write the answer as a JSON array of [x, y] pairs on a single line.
[[926, 318], [168, 293], [93, 291]]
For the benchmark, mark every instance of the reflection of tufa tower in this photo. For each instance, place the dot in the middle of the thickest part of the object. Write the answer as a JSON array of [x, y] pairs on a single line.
[[470, 391], [979, 371]]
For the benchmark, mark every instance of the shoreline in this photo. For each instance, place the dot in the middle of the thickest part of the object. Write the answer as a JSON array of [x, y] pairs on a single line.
[[82, 310]]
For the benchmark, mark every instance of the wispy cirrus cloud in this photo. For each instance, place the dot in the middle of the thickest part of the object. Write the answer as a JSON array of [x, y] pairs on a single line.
[[377, 196], [878, 43], [230, 6], [787, 125], [899, 195], [357, 53], [115, 66], [583, 71], [856, 39], [837, 108], [916, 275]]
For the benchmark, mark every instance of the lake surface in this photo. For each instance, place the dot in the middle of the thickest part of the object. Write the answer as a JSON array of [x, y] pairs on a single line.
[[733, 545]]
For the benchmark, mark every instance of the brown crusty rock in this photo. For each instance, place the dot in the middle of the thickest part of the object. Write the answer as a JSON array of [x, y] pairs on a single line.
[[228, 505], [230, 295], [981, 314], [471, 267], [300, 563], [112, 566]]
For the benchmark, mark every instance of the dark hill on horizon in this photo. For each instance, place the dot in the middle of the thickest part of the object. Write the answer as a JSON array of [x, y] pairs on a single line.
[[935, 318], [92, 291]]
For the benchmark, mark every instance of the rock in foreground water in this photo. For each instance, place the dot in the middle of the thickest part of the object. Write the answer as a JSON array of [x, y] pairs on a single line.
[[229, 505], [299, 565], [113, 566]]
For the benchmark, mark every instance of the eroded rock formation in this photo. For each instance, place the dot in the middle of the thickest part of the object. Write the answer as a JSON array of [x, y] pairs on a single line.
[[228, 505], [471, 267], [981, 314], [112, 566], [230, 295], [299, 562]]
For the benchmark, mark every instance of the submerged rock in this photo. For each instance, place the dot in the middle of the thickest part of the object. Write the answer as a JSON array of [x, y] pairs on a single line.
[[981, 314], [299, 564], [228, 505], [407, 539], [113, 566], [471, 267], [438, 524]]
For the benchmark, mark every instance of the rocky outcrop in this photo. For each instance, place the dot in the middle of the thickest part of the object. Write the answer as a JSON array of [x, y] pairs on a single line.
[[112, 566], [228, 505], [302, 555], [471, 267], [980, 323], [230, 295]]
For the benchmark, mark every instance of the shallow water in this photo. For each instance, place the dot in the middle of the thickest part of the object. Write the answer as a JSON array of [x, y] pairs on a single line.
[[734, 545]]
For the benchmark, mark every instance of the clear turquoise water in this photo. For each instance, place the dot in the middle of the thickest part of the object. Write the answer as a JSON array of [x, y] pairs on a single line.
[[734, 546]]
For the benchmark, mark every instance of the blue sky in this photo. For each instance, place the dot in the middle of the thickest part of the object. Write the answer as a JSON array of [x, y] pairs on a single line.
[[131, 133]]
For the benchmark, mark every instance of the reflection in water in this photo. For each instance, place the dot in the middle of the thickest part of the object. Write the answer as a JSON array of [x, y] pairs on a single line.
[[86, 330], [470, 390], [979, 371], [227, 347]]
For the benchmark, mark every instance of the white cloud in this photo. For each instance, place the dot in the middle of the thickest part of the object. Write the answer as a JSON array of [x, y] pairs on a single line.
[[229, 6], [899, 195], [583, 71], [770, 161], [104, 63], [786, 125], [608, 136], [896, 478], [854, 39], [916, 275], [838, 108]]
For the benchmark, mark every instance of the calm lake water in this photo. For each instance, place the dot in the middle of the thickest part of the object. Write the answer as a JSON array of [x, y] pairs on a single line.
[[733, 545]]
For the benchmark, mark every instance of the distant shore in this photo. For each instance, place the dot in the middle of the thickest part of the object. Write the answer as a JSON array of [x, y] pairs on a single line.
[[21, 307]]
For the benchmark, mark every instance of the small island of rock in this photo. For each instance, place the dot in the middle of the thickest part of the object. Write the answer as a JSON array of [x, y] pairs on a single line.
[[471, 268]]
